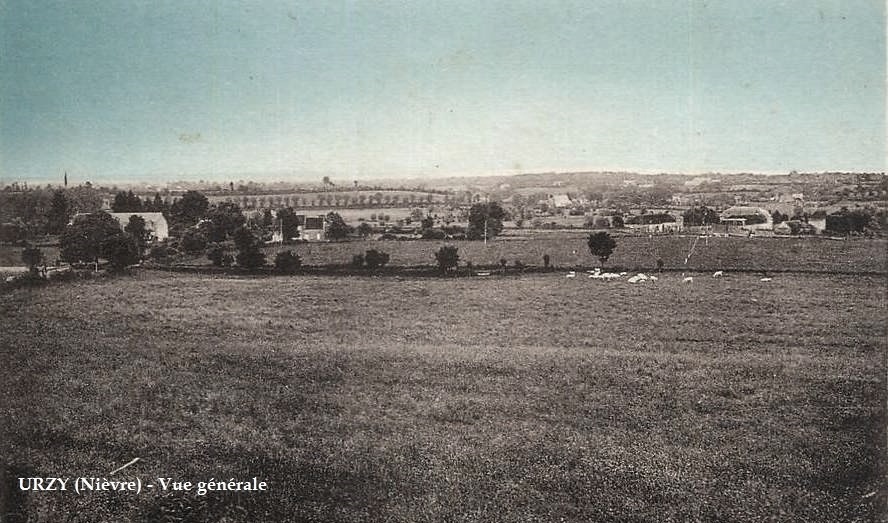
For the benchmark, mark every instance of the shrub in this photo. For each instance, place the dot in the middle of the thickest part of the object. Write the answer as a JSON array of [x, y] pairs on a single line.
[[287, 262], [374, 258], [546, 260], [358, 261]]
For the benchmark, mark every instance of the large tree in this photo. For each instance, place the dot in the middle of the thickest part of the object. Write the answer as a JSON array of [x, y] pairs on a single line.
[[288, 222], [701, 215], [224, 218], [337, 229], [447, 258], [126, 202], [249, 248], [190, 208], [85, 240], [138, 231], [60, 213], [32, 257], [485, 220], [602, 245]]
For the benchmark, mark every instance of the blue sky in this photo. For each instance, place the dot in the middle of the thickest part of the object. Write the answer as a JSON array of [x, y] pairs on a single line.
[[168, 90]]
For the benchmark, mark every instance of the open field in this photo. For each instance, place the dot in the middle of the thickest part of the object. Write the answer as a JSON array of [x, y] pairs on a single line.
[[754, 254], [534, 398]]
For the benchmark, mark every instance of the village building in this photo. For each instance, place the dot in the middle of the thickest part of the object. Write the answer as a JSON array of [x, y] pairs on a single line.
[[155, 223], [312, 228], [750, 218]]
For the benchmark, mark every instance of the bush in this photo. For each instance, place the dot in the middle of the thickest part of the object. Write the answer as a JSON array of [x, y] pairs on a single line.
[[358, 261], [287, 262], [447, 258], [374, 258], [546, 260]]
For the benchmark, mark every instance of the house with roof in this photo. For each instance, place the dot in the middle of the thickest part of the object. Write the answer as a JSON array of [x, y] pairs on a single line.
[[155, 223], [749, 218], [312, 228]]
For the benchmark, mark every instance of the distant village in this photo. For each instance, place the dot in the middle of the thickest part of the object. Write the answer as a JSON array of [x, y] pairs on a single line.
[[733, 204]]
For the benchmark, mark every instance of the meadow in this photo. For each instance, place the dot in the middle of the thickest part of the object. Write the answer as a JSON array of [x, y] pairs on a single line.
[[526, 398], [639, 252]]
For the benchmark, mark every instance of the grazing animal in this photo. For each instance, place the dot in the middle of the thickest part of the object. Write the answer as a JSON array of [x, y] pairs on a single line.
[[718, 274], [572, 274], [654, 278], [766, 279], [688, 279]]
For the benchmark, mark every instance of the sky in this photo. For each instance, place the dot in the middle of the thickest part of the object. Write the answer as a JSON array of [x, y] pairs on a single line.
[[163, 90]]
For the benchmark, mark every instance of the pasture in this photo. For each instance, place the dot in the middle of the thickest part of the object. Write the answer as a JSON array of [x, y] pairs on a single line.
[[641, 251], [530, 398]]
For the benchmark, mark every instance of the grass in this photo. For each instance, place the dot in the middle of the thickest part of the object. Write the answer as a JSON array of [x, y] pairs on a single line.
[[534, 398], [812, 254]]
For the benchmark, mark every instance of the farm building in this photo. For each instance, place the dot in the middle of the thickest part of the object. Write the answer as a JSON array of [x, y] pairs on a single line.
[[655, 223], [747, 217], [312, 228], [154, 222]]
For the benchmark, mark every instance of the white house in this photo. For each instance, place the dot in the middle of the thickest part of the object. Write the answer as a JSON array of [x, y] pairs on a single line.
[[155, 223]]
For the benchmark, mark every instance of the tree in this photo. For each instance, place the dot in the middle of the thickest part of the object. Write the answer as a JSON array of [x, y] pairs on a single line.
[[137, 230], [288, 223], [447, 258], [374, 258], [86, 238], [32, 257], [190, 208], [59, 213], [225, 217], [485, 220], [778, 217], [602, 245], [287, 262], [219, 256], [701, 216], [159, 205], [337, 229], [249, 249], [364, 229], [428, 222], [126, 202], [121, 251], [193, 241]]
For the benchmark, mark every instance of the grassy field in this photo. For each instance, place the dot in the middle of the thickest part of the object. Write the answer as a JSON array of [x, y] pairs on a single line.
[[533, 398], [567, 250]]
